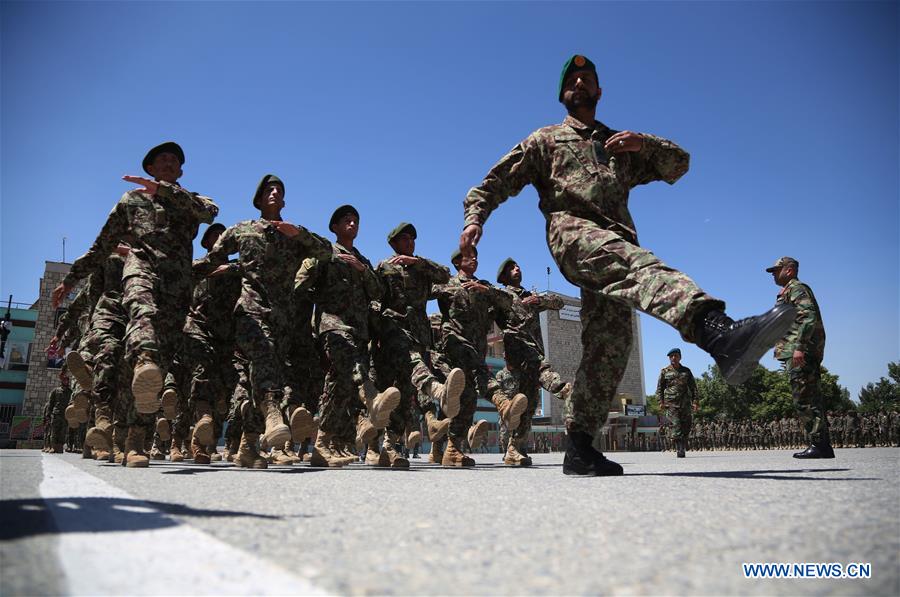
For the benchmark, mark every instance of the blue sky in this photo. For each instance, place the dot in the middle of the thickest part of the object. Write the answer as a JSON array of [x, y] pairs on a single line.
[[789, 111]]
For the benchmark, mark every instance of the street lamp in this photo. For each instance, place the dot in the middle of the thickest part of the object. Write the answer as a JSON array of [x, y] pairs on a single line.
[[5, 327]]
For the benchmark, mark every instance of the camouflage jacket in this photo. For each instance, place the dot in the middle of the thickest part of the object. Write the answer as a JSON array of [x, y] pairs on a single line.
[[807, 334], [213, 302], [676, 386], [160, 229], [521, 323], [268, 261], [59, 400], [342, 295], [574, 176], [467, 315], [72, 323], [407, 289]]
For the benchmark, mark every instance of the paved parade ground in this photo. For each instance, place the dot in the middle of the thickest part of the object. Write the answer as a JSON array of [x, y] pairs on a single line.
[[73, 526]]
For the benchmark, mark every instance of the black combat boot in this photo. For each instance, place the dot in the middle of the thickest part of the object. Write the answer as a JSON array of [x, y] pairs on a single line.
[[816, 450], [579, 459], [737, 346], [679, 446]]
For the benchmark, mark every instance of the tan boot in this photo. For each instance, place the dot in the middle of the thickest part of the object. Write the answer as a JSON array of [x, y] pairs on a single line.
[[175, 453], [477, 434], [156, 452], [382, 405], [346, 453], [169, 403], [511, 409], [135, 457], [454, 456], [365, 431], [447, 394], [389, 453], [164, 430], [303, 425], [118, 444], [373, 454], [146, 385], [436, 429], [290, 453], [198, 451], [204, 429], [276, 431], [565, 392], [247, 455], [101, 455], [80, 370], [278, 456], [213, 452], [99, 436], [514, 457], [435, 455], [322, 454], [73, 416], [413, 439]]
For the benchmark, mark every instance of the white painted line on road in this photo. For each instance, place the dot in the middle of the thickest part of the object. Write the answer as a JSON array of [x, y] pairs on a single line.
[[111, 543]]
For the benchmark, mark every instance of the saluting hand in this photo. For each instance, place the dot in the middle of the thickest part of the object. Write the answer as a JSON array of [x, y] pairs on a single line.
[[531, 300], [624, 141], [219, 270], [149, 187], [58, 294], [287, 229], [403, 260]]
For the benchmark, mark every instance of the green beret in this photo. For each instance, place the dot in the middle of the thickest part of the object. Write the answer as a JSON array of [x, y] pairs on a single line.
[[457, 254], [167, 147], [500, 270], [209, 230], [340, 213], [263, 183], [575, 63], [402, 227], [674, 351]]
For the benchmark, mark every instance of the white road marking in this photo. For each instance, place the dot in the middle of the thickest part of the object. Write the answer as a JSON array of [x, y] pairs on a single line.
[[111, 548]]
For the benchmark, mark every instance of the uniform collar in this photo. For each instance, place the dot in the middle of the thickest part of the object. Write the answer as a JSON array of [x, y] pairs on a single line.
[[581, 127]]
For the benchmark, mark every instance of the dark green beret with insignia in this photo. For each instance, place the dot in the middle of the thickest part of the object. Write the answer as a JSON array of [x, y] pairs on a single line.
[[167, 147], [340, 213], [263, 183], [402, 227], [575, 63], [204, 240], [502, 269], [674, 351]]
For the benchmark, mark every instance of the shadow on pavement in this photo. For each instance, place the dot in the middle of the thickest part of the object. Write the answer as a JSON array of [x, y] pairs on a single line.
[[778, 475], [26, 518]]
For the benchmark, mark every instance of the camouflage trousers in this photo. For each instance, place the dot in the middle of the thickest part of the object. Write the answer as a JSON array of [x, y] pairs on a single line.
[[460, 353], [265, 345], [402, 362], [347, 368], [59, 429], [240, 393], [533, 373], [680, 417], [606, 335], [600, 260], [305, 376], [808, 400], [155, 321]]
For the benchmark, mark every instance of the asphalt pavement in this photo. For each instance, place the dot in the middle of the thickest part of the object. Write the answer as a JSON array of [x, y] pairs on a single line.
[[668, 527]]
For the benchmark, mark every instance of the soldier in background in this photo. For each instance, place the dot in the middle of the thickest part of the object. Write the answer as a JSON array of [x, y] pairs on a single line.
[[677, 394], [801, 351], [583, 171], [57, 403]]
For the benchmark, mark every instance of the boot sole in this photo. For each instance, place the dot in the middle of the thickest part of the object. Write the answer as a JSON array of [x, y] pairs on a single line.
[[79, 370], [82, 401], [169, 403], [98, 440], [456, 383], [516, 410], [741, 370], [303, 425], [276, 437], [479, 435], [204, 433], [164, 430], [147, 383], [390, 399], [368, 435]]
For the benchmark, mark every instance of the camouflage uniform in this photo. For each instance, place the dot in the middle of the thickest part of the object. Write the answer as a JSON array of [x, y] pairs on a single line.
[[807, 334], [402, 351], [59, 399], [523, 348], [157, 272], [677, 389], [268, 261], [584, 198], [342, 296], [467, 316]]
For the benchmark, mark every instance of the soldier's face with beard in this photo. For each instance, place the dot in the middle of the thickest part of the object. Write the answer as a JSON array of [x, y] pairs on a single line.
[[165, 167], [581, 90]]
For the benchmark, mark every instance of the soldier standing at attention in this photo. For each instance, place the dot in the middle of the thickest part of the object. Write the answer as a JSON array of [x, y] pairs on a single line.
[[159, 221], [677, 394], [801, 351], [583, 171], [59, 400]]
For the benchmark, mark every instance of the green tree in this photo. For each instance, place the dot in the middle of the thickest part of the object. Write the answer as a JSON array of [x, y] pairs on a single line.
[[883, 394], [652, 403]]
